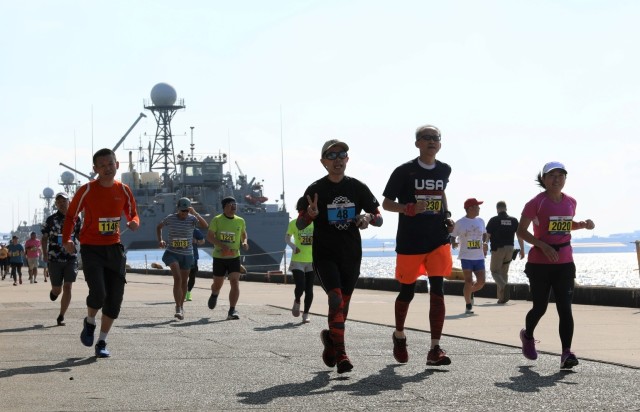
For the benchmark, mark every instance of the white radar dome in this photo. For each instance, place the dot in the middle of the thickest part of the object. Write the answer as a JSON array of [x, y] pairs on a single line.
[[163, 94], [67, 178], [47, 192]]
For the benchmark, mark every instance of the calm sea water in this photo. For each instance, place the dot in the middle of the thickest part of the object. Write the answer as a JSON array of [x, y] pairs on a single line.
[[596, 269]]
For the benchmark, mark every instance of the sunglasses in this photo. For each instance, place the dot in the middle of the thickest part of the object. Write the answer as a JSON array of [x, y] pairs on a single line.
[[335, 155], [429, 137]]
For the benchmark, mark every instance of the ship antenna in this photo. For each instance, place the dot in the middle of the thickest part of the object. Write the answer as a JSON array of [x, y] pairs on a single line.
[[284, 206], [192, 145]]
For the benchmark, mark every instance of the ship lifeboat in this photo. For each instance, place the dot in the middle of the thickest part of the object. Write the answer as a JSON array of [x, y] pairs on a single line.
[[254, 200]]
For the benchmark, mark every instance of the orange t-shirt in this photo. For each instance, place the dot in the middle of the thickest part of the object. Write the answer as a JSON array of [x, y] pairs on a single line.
[[103, 208]]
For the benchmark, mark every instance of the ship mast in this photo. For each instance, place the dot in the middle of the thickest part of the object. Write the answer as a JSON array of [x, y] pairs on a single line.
[[164, 106]]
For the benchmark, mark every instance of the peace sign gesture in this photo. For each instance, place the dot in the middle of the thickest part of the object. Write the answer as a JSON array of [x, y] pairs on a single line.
[[312, 209]]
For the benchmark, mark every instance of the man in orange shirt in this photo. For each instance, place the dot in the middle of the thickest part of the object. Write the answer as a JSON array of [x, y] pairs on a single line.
[[103, 202]]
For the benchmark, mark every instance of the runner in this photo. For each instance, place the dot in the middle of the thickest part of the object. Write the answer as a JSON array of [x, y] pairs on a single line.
[[301, 265], [63, 267], [16, 260], [333, 204], [550, 263], [422, 241], [102, 201], [179, 253]]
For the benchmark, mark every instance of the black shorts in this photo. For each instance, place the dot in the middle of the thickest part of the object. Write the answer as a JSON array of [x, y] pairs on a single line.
[[63, 272], [222, 267]]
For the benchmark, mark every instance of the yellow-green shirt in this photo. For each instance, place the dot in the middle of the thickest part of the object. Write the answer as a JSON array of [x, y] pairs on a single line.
[[228, 231], [303, 239]]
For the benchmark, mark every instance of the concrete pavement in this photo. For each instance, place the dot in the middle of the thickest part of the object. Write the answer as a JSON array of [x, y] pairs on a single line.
[[268, 360]]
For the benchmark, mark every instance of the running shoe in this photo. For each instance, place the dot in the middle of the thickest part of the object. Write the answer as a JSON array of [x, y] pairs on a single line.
[[438, 357], [400, 349], [187, 297], [86, 337], [179, 313], [101, 350], [328, 353], [344, 365], [568, 360], [468, 311], [53, 296], [35, 281], [213, 299], [60, 320], [20, 281], [295, 310], [305, 317], [528, 346], [233, 315]]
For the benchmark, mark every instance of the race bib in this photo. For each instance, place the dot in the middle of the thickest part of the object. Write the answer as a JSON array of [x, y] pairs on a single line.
[[560, 225], [474, 244], [227, 237], [341, 213], [59, 239], [306, 239], [108, 225], [180, 243], [433, 203]]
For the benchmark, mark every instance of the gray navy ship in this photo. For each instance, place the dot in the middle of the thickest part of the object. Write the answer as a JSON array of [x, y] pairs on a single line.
[[203, 180]]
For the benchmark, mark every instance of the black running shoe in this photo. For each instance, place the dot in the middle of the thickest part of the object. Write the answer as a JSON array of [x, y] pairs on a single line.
[[213, 299], [87, 333], [345, 365], [329, 352], [60, 320], [53, 296], [101, 350]]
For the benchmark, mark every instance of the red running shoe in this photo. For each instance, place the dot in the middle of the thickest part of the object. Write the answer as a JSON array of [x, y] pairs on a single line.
[[437, 357], [400, 349]]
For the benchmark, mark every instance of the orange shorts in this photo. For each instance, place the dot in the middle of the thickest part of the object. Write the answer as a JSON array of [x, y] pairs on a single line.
[[435, 263]]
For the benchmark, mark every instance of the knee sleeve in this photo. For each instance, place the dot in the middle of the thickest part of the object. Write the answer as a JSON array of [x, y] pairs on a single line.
[[437, 285], [407, 292]]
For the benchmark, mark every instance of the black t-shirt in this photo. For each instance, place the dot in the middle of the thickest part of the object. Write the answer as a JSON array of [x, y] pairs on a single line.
[[335, 235], [410, 183], [502, 229]]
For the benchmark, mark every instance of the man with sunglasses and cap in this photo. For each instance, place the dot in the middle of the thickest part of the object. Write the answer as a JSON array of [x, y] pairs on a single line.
[[416, 190], [334, 204], [179, 247], [227, 232], [63, 267]]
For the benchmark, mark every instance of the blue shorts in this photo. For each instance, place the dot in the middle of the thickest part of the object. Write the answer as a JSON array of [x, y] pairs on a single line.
[[473, 265], [184, 261]]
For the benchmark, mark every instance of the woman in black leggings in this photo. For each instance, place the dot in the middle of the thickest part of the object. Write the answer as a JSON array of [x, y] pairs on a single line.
[[550, 262]]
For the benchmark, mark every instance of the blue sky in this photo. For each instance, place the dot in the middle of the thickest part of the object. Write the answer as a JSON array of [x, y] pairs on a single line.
[[511, 84]]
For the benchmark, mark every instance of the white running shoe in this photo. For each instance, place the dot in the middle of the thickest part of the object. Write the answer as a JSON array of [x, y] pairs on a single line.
[[179, 313], [295, 310], [305, 318]]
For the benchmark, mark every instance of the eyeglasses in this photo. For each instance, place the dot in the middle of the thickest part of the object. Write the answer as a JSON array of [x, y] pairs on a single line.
[[428, 137], [335, 155]]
